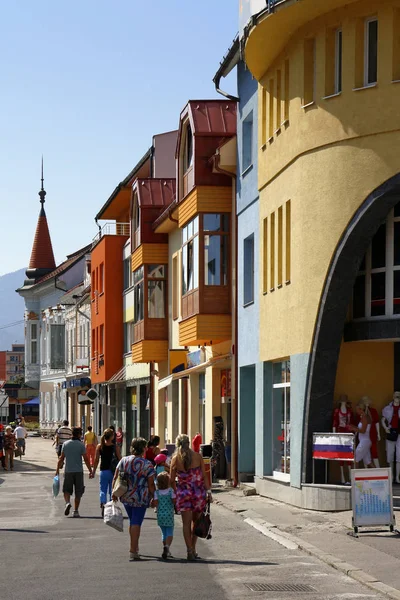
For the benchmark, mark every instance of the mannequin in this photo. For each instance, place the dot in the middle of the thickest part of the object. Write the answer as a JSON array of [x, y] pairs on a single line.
[[342, 420], [391, 424], [375, 433]]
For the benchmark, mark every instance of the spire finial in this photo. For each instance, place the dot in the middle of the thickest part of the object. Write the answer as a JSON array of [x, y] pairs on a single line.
[[42, 193]]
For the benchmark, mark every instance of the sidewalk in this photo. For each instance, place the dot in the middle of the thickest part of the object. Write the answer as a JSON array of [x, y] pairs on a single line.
[[373, 558]]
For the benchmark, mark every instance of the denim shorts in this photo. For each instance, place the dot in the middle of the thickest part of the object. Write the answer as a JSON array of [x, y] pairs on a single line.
[[166, 532], [135, 514]]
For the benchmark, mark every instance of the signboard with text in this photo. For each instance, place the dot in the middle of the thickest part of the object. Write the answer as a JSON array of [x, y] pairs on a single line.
[[372, 497]]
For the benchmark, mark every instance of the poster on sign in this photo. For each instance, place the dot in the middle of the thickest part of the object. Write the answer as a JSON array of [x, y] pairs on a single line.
[[372, 498]]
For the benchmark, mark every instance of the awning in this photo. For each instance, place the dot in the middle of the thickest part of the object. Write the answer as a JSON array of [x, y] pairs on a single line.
[[119, 376], [33, 402], [166, 381]]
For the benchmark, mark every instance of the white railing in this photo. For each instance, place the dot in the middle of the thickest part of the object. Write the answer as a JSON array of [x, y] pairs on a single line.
[[112, 229]]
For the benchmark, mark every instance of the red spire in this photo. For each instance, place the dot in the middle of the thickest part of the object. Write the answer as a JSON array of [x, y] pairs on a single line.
[[42, 257]]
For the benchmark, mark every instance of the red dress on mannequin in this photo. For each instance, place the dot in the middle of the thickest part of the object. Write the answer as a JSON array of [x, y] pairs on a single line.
[[341, 421]]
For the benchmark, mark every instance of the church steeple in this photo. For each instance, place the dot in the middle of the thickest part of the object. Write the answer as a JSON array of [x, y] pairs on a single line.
[[42, 257]]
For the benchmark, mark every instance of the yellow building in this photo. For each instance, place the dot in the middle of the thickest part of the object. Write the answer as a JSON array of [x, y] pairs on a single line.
[[329, 188]]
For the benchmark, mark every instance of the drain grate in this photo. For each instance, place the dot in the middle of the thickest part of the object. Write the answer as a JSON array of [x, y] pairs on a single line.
[[279, 587]]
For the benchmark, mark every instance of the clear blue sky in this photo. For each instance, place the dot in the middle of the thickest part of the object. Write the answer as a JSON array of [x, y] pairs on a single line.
[[87, 83]]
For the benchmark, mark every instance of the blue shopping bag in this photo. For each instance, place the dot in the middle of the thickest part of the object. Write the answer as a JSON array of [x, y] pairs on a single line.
[[56, 486]]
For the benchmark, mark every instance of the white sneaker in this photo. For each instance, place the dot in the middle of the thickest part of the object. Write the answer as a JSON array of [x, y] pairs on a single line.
[[134, 556], [76, 514]]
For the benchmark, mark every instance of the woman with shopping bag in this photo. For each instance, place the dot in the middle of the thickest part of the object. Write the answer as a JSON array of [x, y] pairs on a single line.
[[138, 473]]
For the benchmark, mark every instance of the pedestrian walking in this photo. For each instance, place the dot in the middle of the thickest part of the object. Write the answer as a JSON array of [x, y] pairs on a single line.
[[20, 434], [197, 441], [139, 474], [90, 441], [73, 451], [2, 451], [9, 447], [63, 434], [160, 462], [152, 448], [164, 502], [191, 489], [106, 453]]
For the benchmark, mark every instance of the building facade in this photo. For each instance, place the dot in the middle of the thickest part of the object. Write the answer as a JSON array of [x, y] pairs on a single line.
[[328, 181]]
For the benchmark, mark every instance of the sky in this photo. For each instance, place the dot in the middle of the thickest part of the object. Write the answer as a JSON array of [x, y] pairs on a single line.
[[87, 83]]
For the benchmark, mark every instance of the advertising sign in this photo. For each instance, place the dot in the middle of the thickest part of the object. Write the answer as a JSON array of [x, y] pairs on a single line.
[[372, 498], [248, 8], [226, 385]]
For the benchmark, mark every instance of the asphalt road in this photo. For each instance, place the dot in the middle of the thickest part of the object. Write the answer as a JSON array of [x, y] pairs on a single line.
[[46, 556]]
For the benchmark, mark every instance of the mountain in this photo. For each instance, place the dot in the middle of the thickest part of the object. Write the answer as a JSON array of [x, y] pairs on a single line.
[[12, 309]]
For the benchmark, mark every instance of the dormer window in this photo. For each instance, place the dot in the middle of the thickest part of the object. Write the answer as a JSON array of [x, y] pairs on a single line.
[[135, 223], [188, 155]]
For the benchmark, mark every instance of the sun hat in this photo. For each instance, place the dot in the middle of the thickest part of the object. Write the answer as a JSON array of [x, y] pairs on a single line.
[[160, 458]]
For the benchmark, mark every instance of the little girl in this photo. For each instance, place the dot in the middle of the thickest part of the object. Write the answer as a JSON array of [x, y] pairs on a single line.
[[161, 463], [164, 501]]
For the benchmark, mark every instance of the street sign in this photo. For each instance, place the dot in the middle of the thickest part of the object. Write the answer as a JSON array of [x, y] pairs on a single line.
[[372, 498]]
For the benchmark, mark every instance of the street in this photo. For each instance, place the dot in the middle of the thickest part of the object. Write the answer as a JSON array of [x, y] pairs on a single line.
[[66, 558]]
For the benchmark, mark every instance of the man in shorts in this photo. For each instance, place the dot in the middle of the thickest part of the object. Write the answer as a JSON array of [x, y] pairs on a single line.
[[20, 435], [63, 434], [72, 453]]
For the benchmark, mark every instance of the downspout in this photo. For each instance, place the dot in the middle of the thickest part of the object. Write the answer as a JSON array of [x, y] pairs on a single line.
[[217, 80], [216, 161]]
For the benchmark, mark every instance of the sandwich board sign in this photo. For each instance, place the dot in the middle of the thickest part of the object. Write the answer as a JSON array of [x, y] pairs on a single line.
[[372, 498]]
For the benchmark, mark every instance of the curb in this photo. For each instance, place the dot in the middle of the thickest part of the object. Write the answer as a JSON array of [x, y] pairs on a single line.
[[292, 542]]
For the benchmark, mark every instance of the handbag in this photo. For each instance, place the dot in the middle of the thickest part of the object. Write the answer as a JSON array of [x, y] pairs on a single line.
[[120, 486], [392, 435], [203, 524], [113, 516]]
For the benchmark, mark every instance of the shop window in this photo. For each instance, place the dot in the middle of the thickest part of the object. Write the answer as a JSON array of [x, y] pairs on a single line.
[[281, 420], [247, 142], [371, 52], [156, 291], [190, 256], [57, 346], [248, 270], [376, 291], [33, 344]]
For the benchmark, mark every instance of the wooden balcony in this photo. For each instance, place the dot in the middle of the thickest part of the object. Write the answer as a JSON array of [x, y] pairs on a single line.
[[205, 328], [150, 254], [150, 351]]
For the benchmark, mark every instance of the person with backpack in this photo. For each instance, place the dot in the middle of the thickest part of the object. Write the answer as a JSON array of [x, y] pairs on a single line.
[[108, 454]]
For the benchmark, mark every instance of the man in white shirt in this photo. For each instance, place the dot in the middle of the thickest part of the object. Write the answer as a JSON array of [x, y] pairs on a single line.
[[21, 434], [64, 433]]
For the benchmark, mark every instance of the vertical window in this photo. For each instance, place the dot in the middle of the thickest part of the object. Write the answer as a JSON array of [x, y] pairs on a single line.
[[101, 282], [338, 60], [128, 337], [278, 99], [190, 256], [138, 294], [156, 291], [287, 96], [127, 273], [396, 45], [216, 237], [272, 252], [247, 141], [271, 109], [280, 246], [34, 340], [135, 222], [309, 71], [263, 116], [188, 155], [371, 52], [175, 286], [288, 241], [94, 347], [248, 270], [101, 347], [57, 346], [265, 256]]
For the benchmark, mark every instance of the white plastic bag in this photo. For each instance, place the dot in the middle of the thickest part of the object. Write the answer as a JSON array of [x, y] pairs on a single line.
[[113, 516]]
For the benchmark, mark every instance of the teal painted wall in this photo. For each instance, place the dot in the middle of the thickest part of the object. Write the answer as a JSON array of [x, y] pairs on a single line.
[[247, 419]]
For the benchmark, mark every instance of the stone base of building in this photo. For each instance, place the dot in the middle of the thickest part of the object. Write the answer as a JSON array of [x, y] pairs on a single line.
[[327, 498]]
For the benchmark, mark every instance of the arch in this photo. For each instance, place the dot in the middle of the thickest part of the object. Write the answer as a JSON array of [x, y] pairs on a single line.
[[335, 299]]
